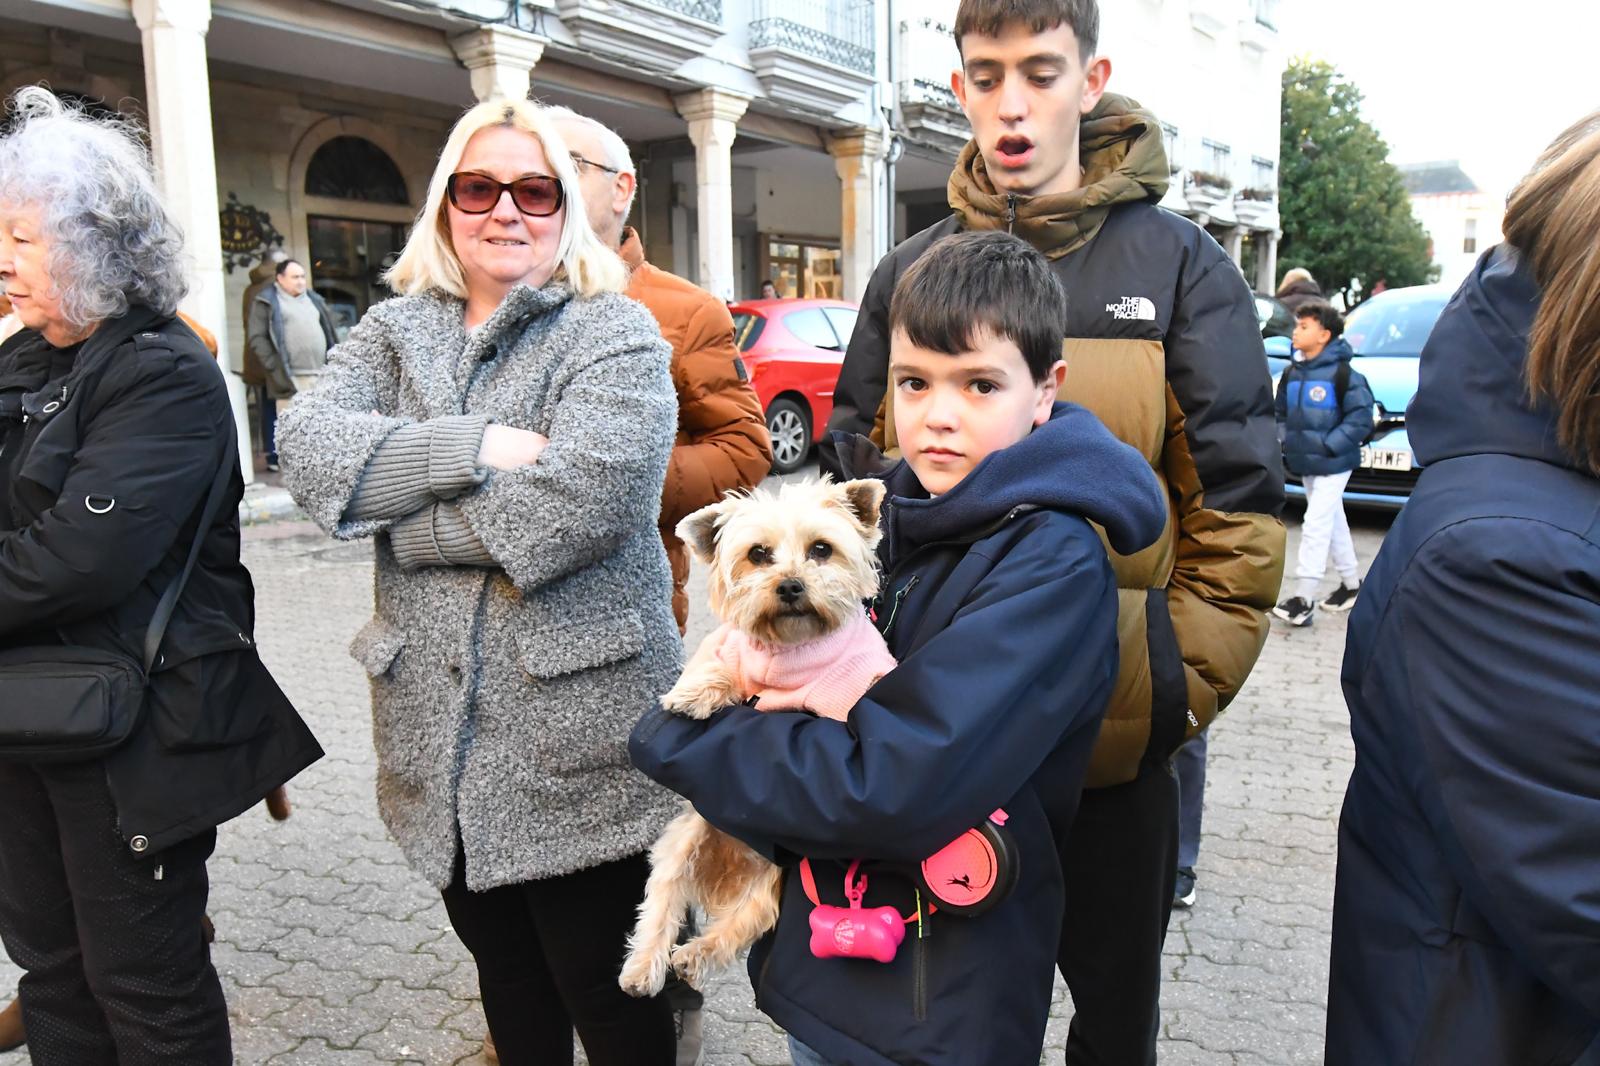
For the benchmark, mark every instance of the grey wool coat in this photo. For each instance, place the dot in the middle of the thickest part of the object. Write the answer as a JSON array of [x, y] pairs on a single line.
[[503, 694]]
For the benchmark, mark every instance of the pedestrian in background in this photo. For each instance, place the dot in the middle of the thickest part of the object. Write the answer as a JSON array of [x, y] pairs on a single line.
[[288, 333], [503, 429], [1324, 414], [114, 425], [1298, 288], [1466, 915]]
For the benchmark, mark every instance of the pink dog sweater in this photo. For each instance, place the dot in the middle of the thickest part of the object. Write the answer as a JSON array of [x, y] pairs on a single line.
[[827, 675]]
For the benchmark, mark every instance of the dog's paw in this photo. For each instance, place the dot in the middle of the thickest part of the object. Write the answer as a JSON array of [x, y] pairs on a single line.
[[644, 973], [697, 961], [701, 695]]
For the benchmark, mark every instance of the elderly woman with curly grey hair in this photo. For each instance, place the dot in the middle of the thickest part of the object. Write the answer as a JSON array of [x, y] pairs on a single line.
[[114, 424]]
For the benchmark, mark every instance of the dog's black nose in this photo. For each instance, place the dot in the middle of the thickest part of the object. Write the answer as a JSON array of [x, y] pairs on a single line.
[[790, 590]]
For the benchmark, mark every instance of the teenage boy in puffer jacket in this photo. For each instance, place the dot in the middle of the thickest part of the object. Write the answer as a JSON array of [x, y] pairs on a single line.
[[1000, 605], [1324, 412]]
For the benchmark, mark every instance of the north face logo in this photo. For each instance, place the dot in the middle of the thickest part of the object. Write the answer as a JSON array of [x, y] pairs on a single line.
[[1135, 307]]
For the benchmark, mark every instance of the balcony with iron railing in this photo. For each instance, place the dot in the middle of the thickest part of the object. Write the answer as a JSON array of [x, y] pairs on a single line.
[[929, 111], [658, 35], [815, 54]]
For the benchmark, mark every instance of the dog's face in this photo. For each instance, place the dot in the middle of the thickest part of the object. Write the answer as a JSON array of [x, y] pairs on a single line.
[[789, 566]]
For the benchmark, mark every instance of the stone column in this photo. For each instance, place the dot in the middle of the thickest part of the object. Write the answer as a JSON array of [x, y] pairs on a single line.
[[499, 59], [858, 157], [713, 117], [1267, 263], [178, 98], [1234, 246]]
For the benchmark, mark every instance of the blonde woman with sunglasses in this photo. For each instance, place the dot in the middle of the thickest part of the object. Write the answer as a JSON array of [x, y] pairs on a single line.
[[502, 431]]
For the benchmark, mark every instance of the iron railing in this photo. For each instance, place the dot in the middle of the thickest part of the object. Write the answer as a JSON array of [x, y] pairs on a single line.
[[927, 56], [836, 31], [705, 10]]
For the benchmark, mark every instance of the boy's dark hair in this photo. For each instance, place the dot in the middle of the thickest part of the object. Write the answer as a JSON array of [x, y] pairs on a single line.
[[982, 281], [1323, 311], [285, 265], [990, 17]]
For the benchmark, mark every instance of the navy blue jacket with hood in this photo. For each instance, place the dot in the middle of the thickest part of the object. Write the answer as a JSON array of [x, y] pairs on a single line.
[[1466, 922], [1322, 433], [1000, 605]]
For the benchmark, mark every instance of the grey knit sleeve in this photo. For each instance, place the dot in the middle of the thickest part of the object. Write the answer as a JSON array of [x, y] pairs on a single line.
[[419, 463], [437, 536]]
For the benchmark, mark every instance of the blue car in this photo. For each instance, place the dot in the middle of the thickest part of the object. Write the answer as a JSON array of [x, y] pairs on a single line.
[[1387, 333]]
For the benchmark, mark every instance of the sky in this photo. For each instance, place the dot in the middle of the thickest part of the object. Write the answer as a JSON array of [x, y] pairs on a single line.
[[1488, 82]]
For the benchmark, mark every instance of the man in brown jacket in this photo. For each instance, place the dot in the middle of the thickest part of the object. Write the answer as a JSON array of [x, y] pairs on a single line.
[[722, 435]]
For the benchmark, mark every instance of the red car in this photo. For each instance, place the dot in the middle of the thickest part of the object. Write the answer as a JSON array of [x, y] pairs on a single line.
[[793, 350]]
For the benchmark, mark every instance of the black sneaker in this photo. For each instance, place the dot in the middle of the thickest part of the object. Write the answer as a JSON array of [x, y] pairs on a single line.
[[1341, 599], [1295, 610], [1183, 891]]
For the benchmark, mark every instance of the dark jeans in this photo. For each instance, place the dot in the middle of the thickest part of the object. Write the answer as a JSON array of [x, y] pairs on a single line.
[[1119, 860], [549, 953], [115, 970], [1189, 763], [269, 422]]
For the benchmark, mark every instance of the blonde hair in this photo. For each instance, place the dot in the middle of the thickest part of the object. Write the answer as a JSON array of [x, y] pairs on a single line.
[[1293, 275], [1553, 221], [428, 261]]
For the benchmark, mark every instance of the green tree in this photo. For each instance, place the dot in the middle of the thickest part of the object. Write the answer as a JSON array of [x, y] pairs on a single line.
[[1346, 215]]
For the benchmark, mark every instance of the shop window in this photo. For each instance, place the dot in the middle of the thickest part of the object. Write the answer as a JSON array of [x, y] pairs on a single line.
[[353, 168], [1469, 239], [799, 269]]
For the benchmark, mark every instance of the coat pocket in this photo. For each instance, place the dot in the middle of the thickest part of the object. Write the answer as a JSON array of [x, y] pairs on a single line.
[[587, 681], [210, 700], [551, 653], [376, 647]]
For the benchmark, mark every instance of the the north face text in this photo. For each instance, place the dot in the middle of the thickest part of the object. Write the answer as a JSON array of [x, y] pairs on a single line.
[[1134, 307]]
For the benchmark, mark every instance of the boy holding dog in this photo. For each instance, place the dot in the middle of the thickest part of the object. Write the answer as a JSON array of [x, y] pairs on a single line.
[[1000, 606]]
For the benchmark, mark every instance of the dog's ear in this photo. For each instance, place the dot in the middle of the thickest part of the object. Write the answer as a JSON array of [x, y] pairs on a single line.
[[699, 530], [864, 499]]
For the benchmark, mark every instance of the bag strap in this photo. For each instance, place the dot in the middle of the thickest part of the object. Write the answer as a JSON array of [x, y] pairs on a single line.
[[1341, 381], [169, 599]]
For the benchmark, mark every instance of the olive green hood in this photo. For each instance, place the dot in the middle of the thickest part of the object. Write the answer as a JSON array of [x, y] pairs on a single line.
[[1123, 160]]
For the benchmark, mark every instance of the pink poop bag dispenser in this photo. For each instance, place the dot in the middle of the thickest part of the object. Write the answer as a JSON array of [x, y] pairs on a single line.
[[855, 932]]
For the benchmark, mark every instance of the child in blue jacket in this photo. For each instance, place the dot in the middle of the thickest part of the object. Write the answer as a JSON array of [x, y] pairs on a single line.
[[1324, 410], [1000, 605]]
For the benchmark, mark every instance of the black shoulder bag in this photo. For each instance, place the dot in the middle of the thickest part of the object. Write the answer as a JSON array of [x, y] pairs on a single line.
[[71, 703]]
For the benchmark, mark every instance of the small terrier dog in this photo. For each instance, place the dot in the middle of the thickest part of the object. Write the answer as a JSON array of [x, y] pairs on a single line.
[[788, 573]]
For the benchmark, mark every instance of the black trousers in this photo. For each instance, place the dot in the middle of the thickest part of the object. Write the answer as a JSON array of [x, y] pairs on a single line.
[[1119, 859], [115, 970], [549, 953]]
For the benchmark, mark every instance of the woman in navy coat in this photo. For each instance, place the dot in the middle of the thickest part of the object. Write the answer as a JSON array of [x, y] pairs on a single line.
[[1466, 923]]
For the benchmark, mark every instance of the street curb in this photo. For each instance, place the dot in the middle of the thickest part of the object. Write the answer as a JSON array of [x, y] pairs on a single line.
[[267, 503]]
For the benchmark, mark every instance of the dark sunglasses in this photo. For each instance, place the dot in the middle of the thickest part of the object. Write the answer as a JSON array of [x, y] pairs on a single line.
[[476, 194]]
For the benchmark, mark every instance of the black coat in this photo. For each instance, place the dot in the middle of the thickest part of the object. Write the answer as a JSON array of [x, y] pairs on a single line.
[[1466, 914], [103, 474]]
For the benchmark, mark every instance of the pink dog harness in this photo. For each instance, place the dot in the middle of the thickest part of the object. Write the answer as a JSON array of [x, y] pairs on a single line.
[[826, 676]]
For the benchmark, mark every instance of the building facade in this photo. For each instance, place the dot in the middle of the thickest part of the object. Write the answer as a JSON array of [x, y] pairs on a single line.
[[795, 140], [1462, 220]]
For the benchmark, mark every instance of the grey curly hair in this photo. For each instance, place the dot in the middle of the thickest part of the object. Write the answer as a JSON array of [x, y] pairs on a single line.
[[112, 242]]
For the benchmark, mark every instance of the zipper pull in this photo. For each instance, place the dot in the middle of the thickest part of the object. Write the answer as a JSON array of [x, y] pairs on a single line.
[[161, 872], [899, 596], [1011, 211]]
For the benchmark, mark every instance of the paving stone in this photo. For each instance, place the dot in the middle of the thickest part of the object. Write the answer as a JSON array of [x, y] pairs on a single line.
[[331, 951]]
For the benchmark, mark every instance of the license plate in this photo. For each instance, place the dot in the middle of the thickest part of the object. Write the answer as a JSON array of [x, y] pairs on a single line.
[[1385, 459]]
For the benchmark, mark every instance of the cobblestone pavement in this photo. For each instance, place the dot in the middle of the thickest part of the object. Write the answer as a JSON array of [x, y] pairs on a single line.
[[332, 952]]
